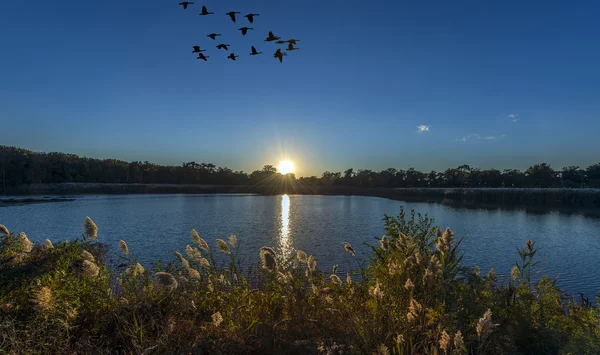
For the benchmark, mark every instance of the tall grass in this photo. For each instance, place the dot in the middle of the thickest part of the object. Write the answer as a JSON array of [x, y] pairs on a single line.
[[415, 296]]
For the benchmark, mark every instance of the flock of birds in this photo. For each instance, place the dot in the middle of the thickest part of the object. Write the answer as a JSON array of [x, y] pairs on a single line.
[[244, 30]]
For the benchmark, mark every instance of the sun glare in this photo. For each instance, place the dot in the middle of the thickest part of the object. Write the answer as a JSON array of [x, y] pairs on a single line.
[[285, 167]]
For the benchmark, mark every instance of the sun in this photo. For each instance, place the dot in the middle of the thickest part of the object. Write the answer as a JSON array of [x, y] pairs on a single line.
[[285, 167]]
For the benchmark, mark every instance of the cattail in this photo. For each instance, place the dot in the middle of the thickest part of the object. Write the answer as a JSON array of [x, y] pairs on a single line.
[[165, 281], [485, 325], [376, 291], [335, 269], [409, 285], [268, 258], [43, 299], [223, 247], [515, 272], [194, 274], [205, 263], [91, 229], [233, 240], [459, 342], [123, 247], [349, 249], [25, 242], [301, 256], [445, 239], [202, 244], [477, 270], [217, 318], [382, 349], [335, 279], [86, 255], [90, 269], [492, 275], [445, 341], [311, 264], [384, 243], [47, 244], [4, 230], [348, 279]]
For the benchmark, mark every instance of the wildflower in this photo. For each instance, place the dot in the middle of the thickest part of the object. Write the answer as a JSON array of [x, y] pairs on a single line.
[[311, 263], [376, 291], [349, 249], [233, 240], [384, 243], [382, 350], [4, 230], [91, 229], [492, 275], [199, 241], [348, 279], [335, 268], [335, 279], [165, 281], [477, 270], [515, 272], [205, 263], [86, 255], [194, 274], [43, 299], [409, 285], [90, 269], [25, 242], [485, 325], [47, 244], [223, 247], [445, 239], [459, 342], [445, 341], [268, 259], [301, 256], [123, 247], [217, 318]]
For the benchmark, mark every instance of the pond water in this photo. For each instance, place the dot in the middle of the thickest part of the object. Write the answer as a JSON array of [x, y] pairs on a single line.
[[154, 226]]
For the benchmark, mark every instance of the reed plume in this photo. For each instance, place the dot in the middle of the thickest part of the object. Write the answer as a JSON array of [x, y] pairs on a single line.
[[25, 242], [194, 274], [47, 244], [4, 230], [409, 285], [183, 260], [43, 299], [217, 318], [335, 279], [205, 263], [349, 248], [515, 273], [90, 269], [382, 349], [123, 247], [459, 342], [375, 291], [445, 341], [485, 325], [223, 247], [91, 229], [301, 256], [202, 244], [165, 281], [492, 275], [311, 264], [86, 255], [348, 279], [136, 270], [233, 240], [189, 251], [445, 240], [268, 258], [384, 243], [335, 269]]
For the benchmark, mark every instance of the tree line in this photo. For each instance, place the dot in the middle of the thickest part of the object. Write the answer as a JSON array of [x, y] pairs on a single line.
[[22, 167]]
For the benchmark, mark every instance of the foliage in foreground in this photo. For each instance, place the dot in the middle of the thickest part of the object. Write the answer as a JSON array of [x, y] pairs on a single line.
[[414, 297]]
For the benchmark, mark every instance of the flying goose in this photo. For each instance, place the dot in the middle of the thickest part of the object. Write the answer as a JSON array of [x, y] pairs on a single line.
[[254, 52], [281, 42], [250, 17], [205, 11], [213, 35], [232, 56], [292, 41], [203, 57], [223, 46], [245, 30], [232, 15], [279, 55], [291, 48], [185, 4], [272, 37], [197, 49]]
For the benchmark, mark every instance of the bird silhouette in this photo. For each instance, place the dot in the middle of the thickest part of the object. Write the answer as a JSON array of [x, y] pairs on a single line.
[[250, 17], [232, 56], [254, 52], [223, 46], [205, 11], [232, 15], [185, 4], [281, 42], [272, 37], [245, 30], [198, 50], [203, 57], [292, 41], [279, 55], [291, 48], [213, 35]]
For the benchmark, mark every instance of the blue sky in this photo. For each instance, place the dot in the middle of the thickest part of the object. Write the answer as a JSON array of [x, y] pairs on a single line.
[[118, 79]]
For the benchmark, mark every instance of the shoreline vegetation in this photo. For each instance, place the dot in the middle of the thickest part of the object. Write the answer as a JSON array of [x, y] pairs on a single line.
[[415, 296]]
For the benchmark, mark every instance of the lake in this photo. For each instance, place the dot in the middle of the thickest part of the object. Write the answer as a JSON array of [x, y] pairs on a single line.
[[154, 226]]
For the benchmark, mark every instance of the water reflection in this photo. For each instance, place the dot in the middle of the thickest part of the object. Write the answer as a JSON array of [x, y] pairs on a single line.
[[285, 245]]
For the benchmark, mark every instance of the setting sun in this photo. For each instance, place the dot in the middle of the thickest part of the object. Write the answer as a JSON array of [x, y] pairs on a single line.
[[285, 167]]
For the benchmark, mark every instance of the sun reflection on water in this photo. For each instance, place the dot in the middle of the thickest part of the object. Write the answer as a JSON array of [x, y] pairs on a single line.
[[285, 244]]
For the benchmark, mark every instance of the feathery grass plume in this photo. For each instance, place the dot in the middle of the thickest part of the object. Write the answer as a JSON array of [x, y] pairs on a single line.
[[515, 273], [335, 269], [301, 256], [202, 244], [394, 267], [402, 239], [268, 259], [477, 270], [90, 269], [485, 325], [444, 241], [348, 279], [123, 247], [375, 291], [223, 247], [382, 350], [210, 286], [281, 277], [409, 285], [217, 318], [233, 240], [205, 263], [47, 244], [135, 271], [43, 299], [384, 243], [459, 342], [183, 260], [434, 269], [492, 275], [445, 341], [86, 255], [165, 281], [418, 258], [409, 262], [189, 251], [311, 264], [335, 279], [4, 230], [91, 229], [315, 289], [25, 242], [194, 274], [349, 248], [414, 309]]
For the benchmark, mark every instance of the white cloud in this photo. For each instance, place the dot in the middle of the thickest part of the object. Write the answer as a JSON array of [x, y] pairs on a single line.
[[514, 117], [423, 128], [479, 137]]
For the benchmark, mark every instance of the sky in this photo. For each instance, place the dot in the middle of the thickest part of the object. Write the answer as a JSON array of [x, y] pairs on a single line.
[[377, 84]]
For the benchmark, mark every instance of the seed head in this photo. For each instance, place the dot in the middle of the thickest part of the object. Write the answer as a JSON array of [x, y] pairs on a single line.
[[335, 269], [384, 243], [217, 318], [165, 281], [43, 299], [382, 349], [301, 256], [348, 279], [90, 269], [189, 251], [375, 291], [444, 241], [492, 275], [485, 325], [25, 242], [268, 258], [183, 260], [311, 264], [202, 244], [477, 270], [194, 274], [123, 247], [223, 247], [86, 255], [459, 342], [445, 341], [414, 307], [409, 285], [136, 270], [335, 279], [515, 273], [233, 240], [4, 230], [91, 229], [47, 244], [205, 263], [349, 248]]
